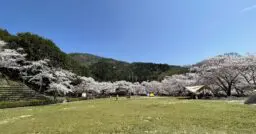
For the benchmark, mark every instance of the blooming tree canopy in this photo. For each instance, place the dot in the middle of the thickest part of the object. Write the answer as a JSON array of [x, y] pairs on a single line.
[[222, 73]]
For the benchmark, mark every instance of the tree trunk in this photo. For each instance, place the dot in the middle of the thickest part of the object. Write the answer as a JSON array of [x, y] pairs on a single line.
[[55, 97], [229, 90], [229, 93]]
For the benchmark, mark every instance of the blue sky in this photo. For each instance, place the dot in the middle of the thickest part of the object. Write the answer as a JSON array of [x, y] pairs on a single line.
[[162, 31]]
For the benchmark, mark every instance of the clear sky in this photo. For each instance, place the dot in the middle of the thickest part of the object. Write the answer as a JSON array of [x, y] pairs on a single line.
[[162, 31]]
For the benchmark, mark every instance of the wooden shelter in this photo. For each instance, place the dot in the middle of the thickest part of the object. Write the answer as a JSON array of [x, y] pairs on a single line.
[[199, 91]]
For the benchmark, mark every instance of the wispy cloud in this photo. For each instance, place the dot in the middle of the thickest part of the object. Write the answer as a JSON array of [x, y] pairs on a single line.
[[248, 8]]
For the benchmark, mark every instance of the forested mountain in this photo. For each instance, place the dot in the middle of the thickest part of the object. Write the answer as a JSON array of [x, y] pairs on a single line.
[[89, 59], [100, 68], [107, 69]]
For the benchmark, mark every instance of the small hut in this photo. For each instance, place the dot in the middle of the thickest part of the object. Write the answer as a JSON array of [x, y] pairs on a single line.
[[199, 91]]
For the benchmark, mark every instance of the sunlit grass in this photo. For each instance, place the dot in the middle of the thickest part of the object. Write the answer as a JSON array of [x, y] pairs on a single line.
[[135, 116]]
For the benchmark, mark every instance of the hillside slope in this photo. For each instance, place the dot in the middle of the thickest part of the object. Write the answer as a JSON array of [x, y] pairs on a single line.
[[40, 48], [107, 69], [6, 82], [89, 59]]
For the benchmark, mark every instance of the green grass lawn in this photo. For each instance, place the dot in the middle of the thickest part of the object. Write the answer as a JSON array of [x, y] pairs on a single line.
[[134, 116]]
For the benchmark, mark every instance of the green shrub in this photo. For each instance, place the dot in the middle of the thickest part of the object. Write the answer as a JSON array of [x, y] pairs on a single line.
[[46, 101], [12, 104], [251, 100], [75, 99]]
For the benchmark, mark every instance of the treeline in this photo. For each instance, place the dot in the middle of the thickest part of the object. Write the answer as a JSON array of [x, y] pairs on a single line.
[[101, 69]]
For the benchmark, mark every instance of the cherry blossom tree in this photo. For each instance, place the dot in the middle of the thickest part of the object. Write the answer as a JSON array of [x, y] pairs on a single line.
[[152, 86], [248, 69], [227, 73], [138, 89], [175, 85], [87, 84], [222, 71], [11, 59], [2, 45], [35, 73]]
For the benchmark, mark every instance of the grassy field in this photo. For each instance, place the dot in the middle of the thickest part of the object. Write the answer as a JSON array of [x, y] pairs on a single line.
[[134, 116]]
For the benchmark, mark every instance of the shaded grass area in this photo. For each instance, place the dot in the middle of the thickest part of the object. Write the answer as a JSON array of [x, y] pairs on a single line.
[[26, 103], [134, 116], [47, 100]]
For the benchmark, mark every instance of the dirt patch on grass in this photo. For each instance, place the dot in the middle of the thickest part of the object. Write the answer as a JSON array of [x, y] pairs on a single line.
[[69, 108], [236, 101]]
